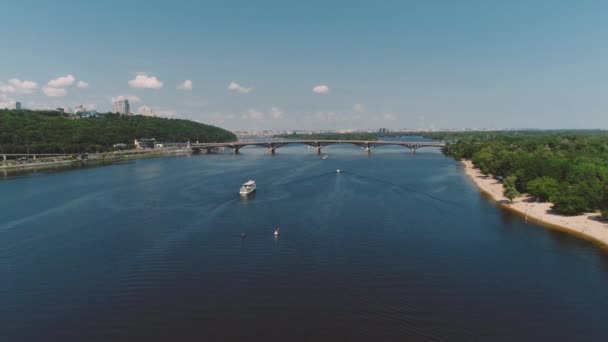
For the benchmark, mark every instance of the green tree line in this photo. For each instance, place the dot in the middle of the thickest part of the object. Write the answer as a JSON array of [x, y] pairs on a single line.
[[566, 168], [53, 132]]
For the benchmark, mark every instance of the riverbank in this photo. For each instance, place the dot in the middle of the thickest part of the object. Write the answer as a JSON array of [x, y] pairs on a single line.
[[93, 158], [585, 226]]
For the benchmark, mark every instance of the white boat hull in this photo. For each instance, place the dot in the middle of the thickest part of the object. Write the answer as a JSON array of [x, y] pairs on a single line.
[[247, 188], [246, 192]]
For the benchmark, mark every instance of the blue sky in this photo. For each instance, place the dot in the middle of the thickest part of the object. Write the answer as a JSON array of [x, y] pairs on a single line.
[[442, 64]]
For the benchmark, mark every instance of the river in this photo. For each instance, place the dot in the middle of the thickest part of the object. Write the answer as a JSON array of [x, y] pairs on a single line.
[[394, 247]]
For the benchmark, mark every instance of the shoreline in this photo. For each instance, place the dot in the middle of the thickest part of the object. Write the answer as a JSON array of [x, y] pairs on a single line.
[[586, 226], [93, 158]]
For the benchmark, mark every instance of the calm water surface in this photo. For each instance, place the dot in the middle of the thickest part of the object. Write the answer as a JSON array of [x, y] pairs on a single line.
[[396, 247]]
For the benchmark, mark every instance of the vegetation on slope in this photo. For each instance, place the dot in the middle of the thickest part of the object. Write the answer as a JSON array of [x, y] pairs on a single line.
[[567, 168], [53, 132]]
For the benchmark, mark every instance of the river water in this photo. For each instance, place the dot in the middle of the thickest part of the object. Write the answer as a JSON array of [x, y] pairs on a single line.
[[395, 247]]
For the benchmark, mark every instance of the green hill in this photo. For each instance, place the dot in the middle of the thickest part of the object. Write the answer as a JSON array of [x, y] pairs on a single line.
[[54, 132]]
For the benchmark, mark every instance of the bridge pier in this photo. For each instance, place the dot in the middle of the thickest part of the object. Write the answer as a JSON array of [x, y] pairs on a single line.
[[235, 150], [318, 149]]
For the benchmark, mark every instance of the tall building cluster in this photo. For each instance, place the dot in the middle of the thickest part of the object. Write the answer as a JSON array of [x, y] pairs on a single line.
[[121, 105], [145, 110]]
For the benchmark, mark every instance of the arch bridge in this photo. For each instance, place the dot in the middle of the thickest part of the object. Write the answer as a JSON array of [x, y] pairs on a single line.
[[366, 145]]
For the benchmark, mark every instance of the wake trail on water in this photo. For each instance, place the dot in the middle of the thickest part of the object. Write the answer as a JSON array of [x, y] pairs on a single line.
[[403, 187], [309, 178]]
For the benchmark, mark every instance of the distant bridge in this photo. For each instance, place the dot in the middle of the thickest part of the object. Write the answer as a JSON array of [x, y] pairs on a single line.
[[366, 145]]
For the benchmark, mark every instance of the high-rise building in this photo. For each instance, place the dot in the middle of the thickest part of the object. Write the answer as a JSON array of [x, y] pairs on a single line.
[[79, 110], [145, 110], [18, 105], [121, 105]]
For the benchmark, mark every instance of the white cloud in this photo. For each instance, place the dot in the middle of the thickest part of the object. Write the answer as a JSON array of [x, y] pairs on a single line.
[[359, 108], [276, 113], [18, 86], [133, 98], [186, 85], [388, 116], [82, 84], [233, 86], [321, 89], [6, 102], [62, 81], [145, 82], [54, 92]]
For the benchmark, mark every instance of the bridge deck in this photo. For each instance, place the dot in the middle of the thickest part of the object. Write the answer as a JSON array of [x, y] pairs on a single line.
[[318, 144]]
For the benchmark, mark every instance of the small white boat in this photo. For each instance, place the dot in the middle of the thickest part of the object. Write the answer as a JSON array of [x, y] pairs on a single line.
[[325, 156], [338, 171], [276, 232], [247, 188]]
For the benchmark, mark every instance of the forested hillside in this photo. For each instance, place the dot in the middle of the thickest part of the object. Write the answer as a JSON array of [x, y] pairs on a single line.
[[53, 132]]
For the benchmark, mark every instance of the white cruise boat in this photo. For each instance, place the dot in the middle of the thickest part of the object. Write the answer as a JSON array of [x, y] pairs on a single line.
[[247, 188]]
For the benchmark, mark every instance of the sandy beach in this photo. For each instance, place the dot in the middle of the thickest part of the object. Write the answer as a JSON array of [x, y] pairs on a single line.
[[586, 226]]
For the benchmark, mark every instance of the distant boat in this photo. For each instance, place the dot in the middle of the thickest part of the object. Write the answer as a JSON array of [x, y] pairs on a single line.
[[338, 171], [276, 232], [325, 156], [247, 188]]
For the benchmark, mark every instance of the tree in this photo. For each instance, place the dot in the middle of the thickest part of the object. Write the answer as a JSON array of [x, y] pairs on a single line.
[[569, 204], [605, 214], [510, 191], [543, 188], [482, 160]]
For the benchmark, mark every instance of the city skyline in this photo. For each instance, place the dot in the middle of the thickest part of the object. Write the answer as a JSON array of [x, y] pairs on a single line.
[[313, 66]]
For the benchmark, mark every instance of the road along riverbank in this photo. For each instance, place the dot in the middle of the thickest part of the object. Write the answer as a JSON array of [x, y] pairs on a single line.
[[587, 226], [103, 157]]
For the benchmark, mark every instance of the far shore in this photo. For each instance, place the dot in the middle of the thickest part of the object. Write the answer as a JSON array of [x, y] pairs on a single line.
[[587, 226]]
